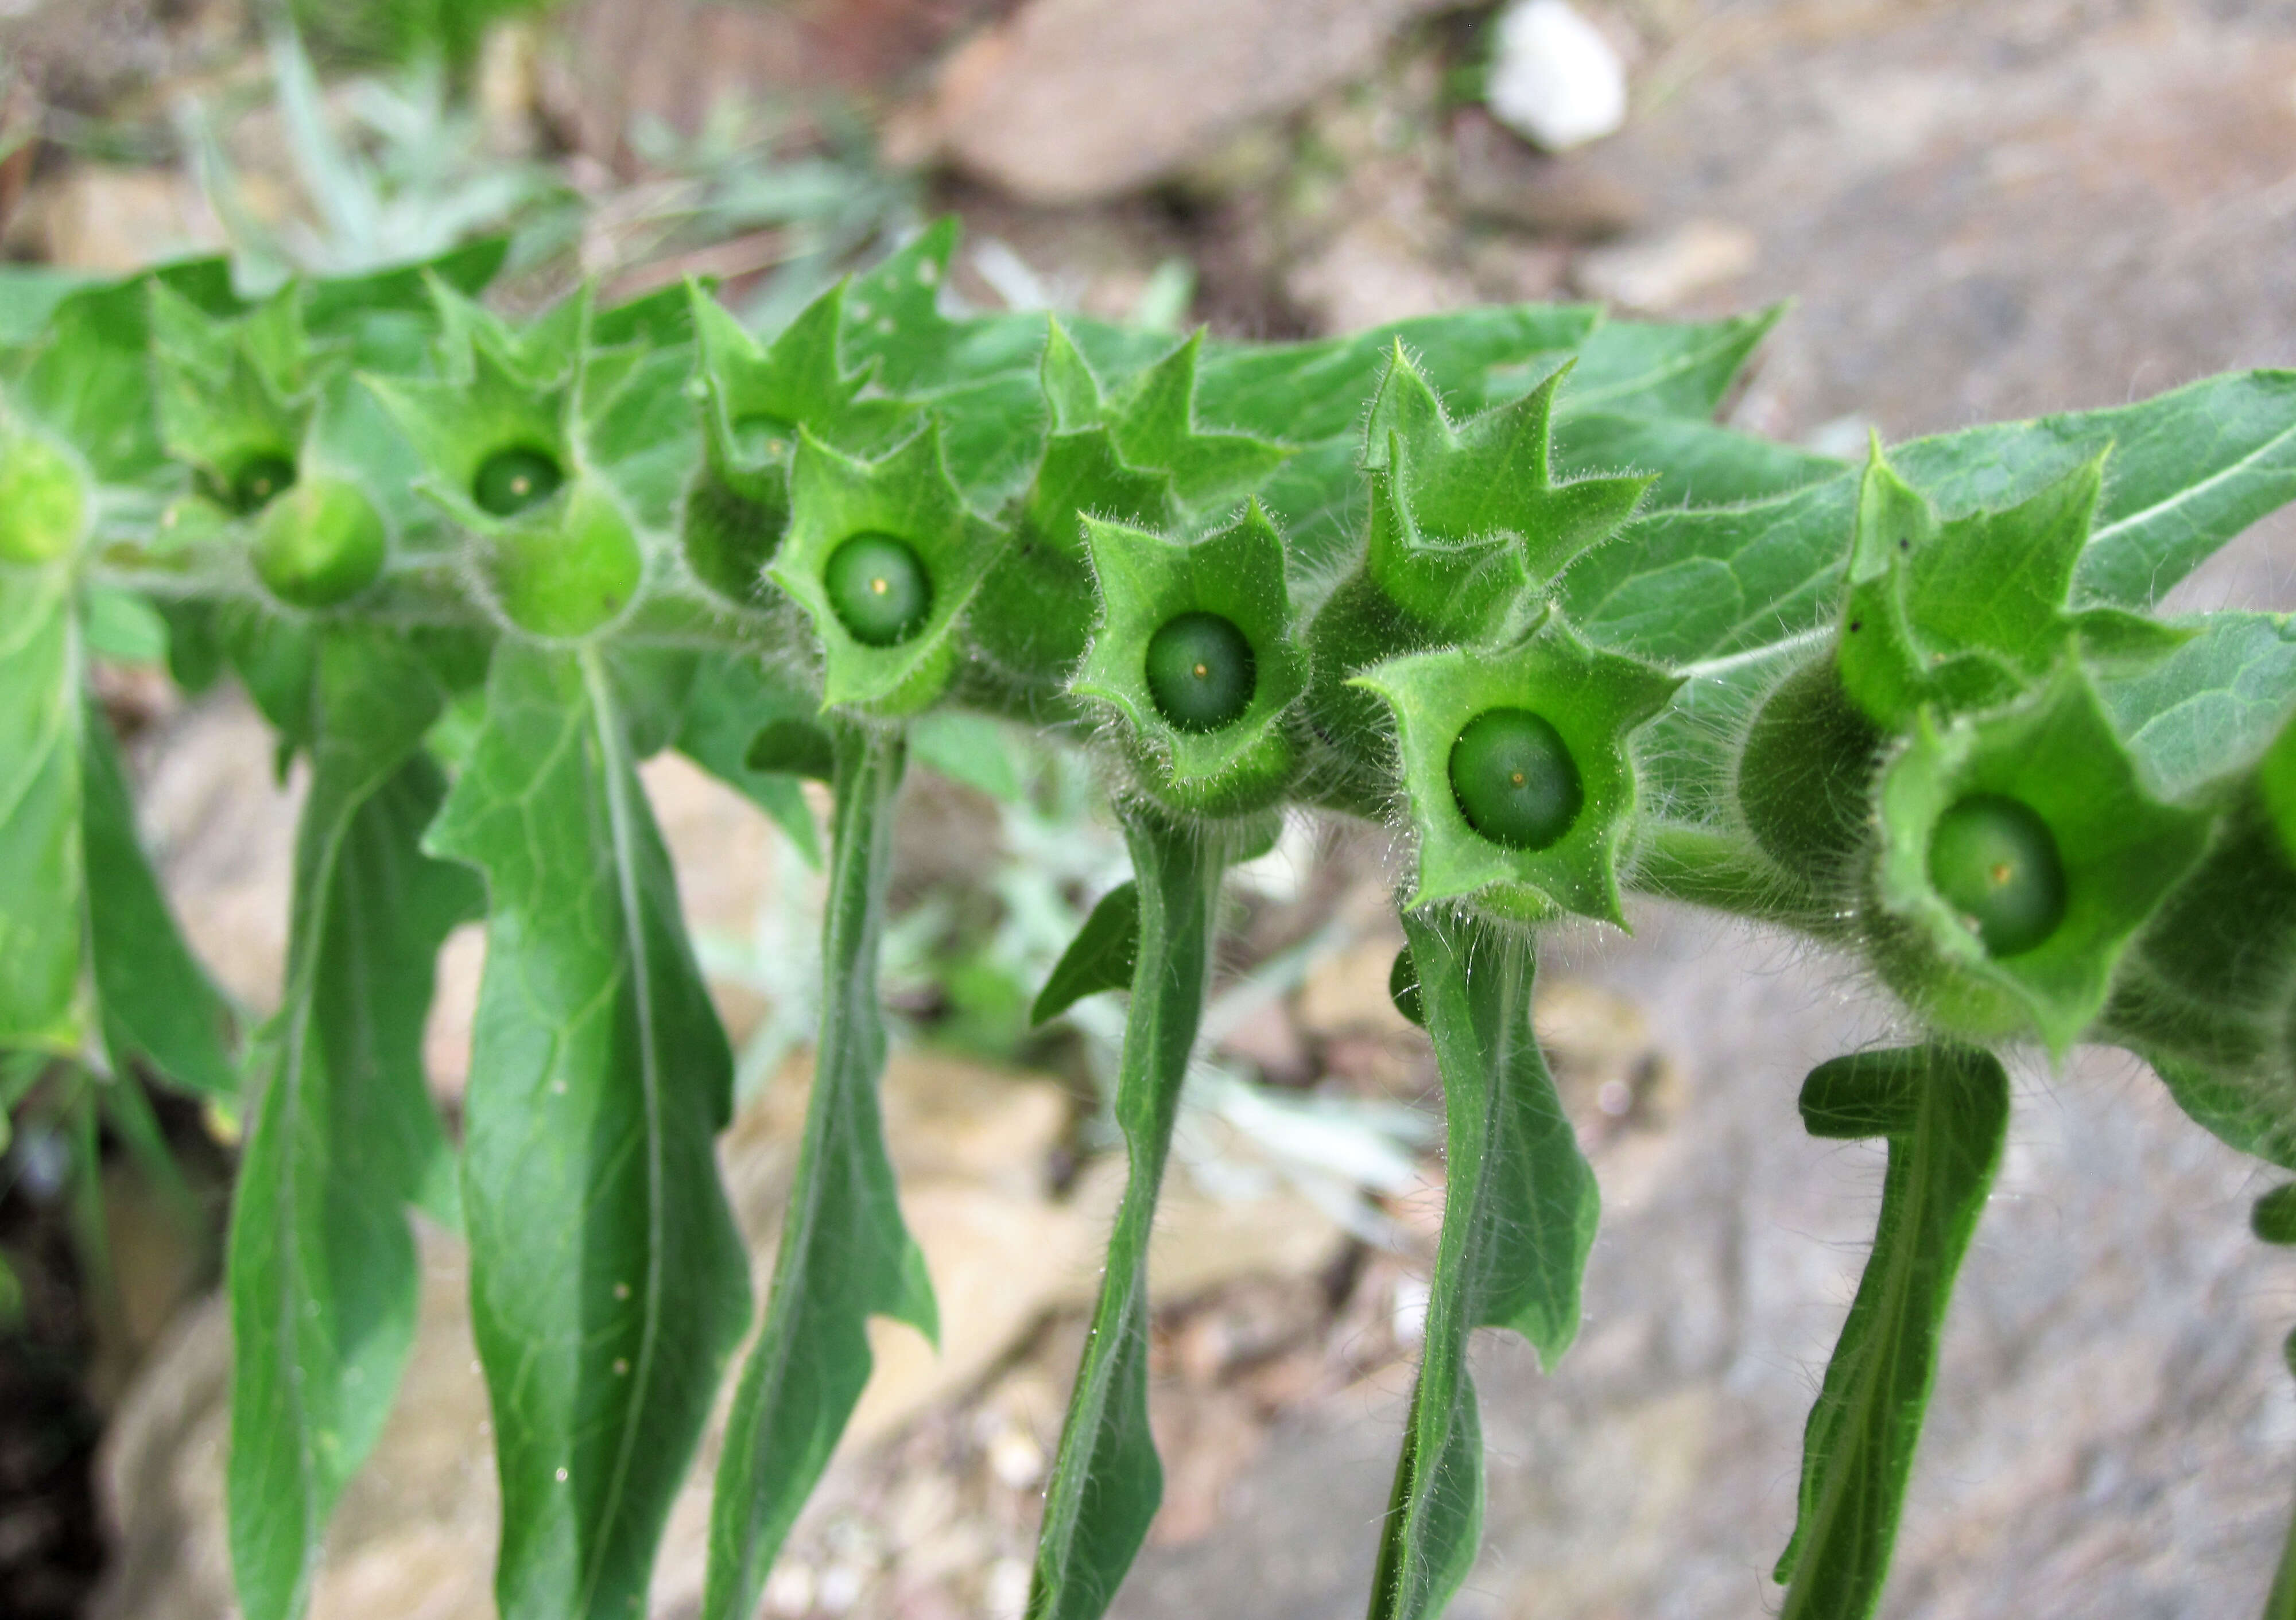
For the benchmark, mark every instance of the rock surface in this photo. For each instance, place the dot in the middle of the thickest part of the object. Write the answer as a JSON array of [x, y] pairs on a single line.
[[1075, 100]]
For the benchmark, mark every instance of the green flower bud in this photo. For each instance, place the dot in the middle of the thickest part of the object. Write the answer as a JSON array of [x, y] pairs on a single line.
[[1996, 861], [321, 544], [1515, 761], [1515, 779], [883, 557], [2020, 852], [43, 501], [1201, 671], [510, 480], [569, 571], [1194, 651], [879, 589]]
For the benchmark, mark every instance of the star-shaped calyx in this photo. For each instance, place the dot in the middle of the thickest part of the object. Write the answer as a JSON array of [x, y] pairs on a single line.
[[1139, 459], [1517, 770], [1467, 529], [2020, 851], [754, 398], [885, 558], [235, 395], [1196, 656], [1966, 612], [504, 438]]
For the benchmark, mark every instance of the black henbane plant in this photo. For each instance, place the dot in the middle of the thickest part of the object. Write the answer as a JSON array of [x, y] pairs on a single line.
[[1495, 577]]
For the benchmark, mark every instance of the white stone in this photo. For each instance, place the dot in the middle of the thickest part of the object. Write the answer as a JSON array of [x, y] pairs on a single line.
[[1554, 80]]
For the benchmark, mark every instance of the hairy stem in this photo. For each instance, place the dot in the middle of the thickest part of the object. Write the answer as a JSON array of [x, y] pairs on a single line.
[[845, 1255], [1106, 1481]]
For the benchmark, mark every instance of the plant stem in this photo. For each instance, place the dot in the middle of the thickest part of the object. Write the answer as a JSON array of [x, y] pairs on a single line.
[[1106, 1481], [845, 1255]]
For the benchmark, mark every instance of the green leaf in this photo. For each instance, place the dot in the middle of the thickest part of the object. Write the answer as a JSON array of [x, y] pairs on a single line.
[[1697, 464], [969, 749], [1945, 1111], [2120, 849], [2212, 706], [2207, 990], [845, 1256], [732, 698], [41, 860], [909, 496], [1101, 956], [1592, 699], [157, 1003], [2276, 775], [2190, 470], [323, 1275], [1146, 582], [607, 1280], [1655, 368], [1519, 1209], [1106, 1481]]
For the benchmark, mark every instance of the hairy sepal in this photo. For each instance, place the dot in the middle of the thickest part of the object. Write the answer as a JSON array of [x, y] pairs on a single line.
[[1594, 699], [2121, 849], [1146, 581]]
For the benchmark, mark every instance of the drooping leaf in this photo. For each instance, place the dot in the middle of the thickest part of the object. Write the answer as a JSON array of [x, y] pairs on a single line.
[[1101, 956], [343, 1135], [1519, 1209], [40, 817], [157, 1003], [1945, 1112], [845, 1256], [607, 1280], [1106, 1480]]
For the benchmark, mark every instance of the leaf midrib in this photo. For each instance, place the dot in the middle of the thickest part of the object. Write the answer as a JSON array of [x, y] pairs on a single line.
[[617, 770]]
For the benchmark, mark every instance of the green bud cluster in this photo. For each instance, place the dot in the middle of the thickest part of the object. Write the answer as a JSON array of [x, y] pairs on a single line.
[[1496, 580]]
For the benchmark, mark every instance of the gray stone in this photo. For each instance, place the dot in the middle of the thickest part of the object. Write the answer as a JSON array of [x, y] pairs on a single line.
[[1075, 100]]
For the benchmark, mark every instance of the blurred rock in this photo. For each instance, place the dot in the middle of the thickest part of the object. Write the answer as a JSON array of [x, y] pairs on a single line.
[[1495, 177], [1664, 273], [1071, 101], [1554, 78], [103, 217], [609, 62], [416, 1533]]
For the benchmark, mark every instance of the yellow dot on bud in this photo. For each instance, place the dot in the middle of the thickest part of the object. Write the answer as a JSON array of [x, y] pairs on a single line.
[[1202, 670], [1516, 779], [879, 585], [2001, 874], [522, 485]]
